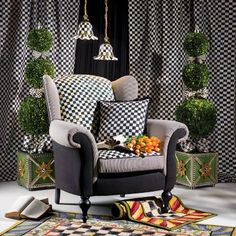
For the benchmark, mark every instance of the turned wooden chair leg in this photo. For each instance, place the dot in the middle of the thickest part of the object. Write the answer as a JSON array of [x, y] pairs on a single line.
[[166, 196], [84, 205], [57, 195]]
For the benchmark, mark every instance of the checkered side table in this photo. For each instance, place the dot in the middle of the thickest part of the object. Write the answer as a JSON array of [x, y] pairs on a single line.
[[196, 170]]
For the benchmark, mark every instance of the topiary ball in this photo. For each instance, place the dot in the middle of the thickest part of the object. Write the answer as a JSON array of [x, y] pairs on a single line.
[[198, 114], [32, 116], [196, 44], [40, 40], [35, 69], [195, 76]]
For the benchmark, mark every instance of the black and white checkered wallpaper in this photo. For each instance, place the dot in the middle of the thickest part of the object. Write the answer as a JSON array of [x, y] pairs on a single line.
[[157, 30], [218, 20], [16, 19]]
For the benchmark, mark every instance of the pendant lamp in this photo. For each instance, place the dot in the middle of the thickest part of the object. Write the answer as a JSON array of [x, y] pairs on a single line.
[[105, 49], [85, 28]]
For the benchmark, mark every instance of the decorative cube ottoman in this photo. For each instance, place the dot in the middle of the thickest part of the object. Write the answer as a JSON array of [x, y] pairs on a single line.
[[35, 171], [196, 170]]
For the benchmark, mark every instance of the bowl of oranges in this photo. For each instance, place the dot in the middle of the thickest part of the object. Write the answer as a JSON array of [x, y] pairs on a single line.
[[142, 145]]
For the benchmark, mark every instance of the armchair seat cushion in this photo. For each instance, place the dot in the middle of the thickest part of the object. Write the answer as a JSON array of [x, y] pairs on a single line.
[[111, 161]]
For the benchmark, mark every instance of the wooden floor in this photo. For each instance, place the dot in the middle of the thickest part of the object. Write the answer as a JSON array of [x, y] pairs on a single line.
[[220, 200]]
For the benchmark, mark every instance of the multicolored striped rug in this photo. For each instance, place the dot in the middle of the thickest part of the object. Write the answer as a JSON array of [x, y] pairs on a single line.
[[147, 211], [61, 223]]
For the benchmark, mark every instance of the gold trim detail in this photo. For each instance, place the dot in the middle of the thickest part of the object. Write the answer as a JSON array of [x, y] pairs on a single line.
[[21, 168], [44, 170], [206, 170], [181, 168]]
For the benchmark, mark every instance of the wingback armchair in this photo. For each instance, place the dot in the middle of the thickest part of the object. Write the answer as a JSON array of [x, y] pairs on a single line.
[[72, 101]]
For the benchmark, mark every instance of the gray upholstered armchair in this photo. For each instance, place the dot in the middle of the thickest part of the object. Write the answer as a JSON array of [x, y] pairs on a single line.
[[72, 105]]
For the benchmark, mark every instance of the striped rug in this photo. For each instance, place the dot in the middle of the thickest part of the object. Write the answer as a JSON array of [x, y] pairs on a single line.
[[147, 211], [136, 217]]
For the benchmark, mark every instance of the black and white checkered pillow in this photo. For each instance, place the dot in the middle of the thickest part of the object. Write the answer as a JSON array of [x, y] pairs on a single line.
[[122, 117], [79, 95]]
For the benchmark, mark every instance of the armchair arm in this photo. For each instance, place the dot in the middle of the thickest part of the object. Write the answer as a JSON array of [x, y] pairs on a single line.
[[74, 136], [165, 128], [63, 133], [171, 132]]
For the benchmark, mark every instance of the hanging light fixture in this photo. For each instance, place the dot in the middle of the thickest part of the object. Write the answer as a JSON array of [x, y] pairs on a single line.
[[105, 49], [85, 28]]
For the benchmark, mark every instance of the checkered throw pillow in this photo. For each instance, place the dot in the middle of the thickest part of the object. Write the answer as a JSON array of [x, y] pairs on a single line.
[[126, 118], [79, 95]]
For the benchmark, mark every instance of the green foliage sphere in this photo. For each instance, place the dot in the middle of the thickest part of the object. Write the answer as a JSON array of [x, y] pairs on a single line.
[[35, 69], [40, 40], [198, 114], [196, 44], [195, 76], [32, 116]]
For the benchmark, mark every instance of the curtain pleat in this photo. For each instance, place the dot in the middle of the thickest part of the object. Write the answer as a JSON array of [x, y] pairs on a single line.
[[157, 32], [17, 18], [217, 19]]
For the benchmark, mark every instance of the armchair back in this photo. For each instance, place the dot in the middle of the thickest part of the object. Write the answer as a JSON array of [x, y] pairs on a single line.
[[79, 94], [74, 98]]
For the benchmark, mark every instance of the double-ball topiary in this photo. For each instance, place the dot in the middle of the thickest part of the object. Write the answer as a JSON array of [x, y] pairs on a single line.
[[196, 44], [195, 76], [40, 40], [32, 116], [35, 69], [198, 114]]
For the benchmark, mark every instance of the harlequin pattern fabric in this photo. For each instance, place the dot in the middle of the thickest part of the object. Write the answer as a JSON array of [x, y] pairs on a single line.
[[17, 18], [79, 96], [125, 118]]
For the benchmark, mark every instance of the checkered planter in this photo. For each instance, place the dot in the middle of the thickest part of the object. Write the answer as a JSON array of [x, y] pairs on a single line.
[[196, 170], [35, 171]]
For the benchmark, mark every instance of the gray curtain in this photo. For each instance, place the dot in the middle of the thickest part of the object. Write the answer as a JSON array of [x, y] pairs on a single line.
[[17, 18], [157, 31]]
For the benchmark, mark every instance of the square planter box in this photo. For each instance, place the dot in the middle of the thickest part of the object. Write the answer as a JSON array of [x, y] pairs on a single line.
[[197, 170], [35, 171]]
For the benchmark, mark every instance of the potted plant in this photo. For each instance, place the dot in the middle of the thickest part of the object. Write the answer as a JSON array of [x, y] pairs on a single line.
[[35, 162], [196, 165]]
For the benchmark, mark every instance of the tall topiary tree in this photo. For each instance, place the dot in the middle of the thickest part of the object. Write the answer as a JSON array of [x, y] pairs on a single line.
[[196, 111], [32, 114]]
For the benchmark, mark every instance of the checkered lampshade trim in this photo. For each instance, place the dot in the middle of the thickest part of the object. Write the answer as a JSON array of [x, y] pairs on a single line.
[[126, 118], [79, 95], [105, 53], [85, 31]]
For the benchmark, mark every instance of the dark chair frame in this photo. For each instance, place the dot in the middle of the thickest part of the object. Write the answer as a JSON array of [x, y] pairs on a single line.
[[75, 166]]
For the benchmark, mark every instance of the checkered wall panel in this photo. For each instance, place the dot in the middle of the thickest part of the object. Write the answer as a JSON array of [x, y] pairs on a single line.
[[218, 20], [16, 19], [157, 32]]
